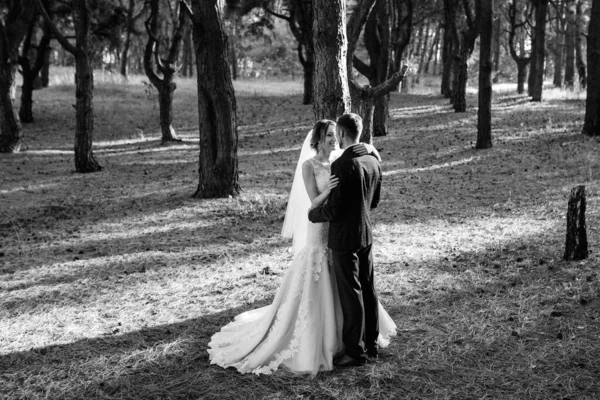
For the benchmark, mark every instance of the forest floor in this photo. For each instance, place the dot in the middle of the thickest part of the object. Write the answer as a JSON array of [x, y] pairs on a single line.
[[112, 283]]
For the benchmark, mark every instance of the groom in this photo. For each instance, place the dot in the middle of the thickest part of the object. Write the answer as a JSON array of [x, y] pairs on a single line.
[[350, 238]]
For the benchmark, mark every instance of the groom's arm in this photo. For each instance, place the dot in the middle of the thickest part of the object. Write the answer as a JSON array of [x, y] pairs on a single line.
[[330, 210]]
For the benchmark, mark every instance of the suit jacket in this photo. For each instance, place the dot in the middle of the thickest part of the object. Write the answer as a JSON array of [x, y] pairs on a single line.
[[348, 207]]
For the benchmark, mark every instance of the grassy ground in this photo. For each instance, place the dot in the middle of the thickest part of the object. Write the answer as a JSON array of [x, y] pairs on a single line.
[[112, 283]]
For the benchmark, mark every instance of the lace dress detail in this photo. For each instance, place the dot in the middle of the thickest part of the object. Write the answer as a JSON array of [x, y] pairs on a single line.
[[301, 329]]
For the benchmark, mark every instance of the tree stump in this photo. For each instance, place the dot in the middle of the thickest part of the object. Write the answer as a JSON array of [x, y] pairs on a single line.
[[576, 247]]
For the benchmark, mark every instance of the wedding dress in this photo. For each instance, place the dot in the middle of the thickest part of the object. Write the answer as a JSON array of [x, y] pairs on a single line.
[[301, 329]]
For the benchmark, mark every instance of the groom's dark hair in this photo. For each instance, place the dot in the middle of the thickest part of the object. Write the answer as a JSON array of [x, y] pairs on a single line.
[[351, 124]]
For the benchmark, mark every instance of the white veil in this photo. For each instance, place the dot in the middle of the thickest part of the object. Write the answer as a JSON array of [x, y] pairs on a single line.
[[295, 223]]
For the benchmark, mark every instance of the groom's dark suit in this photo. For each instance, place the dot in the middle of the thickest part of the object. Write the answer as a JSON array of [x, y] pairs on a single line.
[[350, 238]]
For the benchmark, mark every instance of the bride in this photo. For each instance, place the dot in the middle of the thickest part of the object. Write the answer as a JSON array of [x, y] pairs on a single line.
[[302, 329]]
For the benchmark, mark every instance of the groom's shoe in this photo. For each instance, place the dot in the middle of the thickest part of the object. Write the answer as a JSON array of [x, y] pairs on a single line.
[[348, 361]]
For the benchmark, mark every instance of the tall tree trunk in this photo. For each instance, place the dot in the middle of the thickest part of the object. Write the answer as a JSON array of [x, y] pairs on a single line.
[[381, 115], [84, 114], [579, 29], [165, 100], [84, 82], [497, 38], [591, 124], [45, 73], [449, 46], [432, 49], [218, 167], [331, 92], [540, 47], [13, 28], [521, 76], [308, 65], [559, 48], [466, 49], [570, 46], [30, 73], [232, 53], [188, 59], [484, 112], [127, 42]]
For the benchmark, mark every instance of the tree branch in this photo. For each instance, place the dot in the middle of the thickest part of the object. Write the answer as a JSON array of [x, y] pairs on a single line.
[[273, 13], [64, 42], [363, 68], [389, 85]]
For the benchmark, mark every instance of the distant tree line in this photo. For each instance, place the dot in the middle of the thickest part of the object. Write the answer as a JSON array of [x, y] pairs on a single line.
[[217, 41]]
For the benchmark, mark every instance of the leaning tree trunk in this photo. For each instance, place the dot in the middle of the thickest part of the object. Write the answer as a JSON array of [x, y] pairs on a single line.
[[540, 38], [484, 112], [331, 97], [591, 125], [218, 168]]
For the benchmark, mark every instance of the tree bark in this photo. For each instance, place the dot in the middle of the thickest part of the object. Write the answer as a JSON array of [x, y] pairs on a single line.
[[467, 45], [84, 82], [484, 112], [591, 124], [218, 167], [576, 244], [432, 49], [497, 38], [13, 28], [30, 73], [539, 48], [579, 29], [450, 41], [520, 59], [308, 66], [559, 49], [331, 92], [166, 67], [570, 46]]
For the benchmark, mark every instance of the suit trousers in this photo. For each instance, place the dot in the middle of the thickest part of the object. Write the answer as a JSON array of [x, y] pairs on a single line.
[[360, 306]]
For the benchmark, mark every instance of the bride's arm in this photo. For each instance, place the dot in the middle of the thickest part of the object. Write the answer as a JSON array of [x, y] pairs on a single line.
[[308, 174]]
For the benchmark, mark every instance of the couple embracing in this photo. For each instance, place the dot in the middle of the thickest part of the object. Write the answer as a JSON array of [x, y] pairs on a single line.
[[326, 311]]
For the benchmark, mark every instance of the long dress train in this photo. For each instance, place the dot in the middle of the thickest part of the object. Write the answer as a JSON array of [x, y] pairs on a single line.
[[301, 329]]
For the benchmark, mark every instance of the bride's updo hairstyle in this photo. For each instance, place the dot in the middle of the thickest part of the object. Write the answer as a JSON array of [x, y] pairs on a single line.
[[319, 131]]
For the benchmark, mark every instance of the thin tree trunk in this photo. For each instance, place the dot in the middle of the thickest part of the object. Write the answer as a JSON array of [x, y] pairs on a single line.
[[540, 38], [570, 47], [433, 49], [232, 53], [576, 243], [581, 67], [45, 73], [165, 100], [521, 75], [380, 115], [127, 43], [484, 112], [449, 46], [331, 92], [559, 47], [218, 167], [497, 37], [591, 124]]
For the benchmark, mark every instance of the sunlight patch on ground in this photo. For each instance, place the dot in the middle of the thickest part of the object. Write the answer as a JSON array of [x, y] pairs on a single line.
[[30, 188], [430, 241], [122, 152], [432, 167], [244, 153], [47, 151], [398, 113]]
